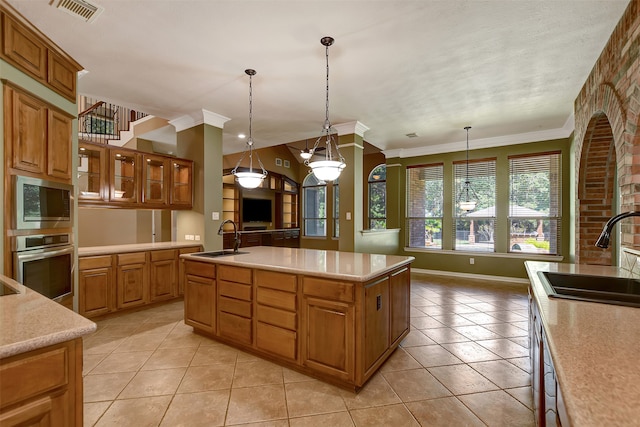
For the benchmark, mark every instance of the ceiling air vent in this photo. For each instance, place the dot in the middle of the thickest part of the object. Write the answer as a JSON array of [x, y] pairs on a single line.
[[80, 9]]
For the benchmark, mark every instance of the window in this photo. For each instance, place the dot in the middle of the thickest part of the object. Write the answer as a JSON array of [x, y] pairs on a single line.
[[424, 206], [314, 198], [377, 198], [534, 208], [474, 230], [336, 209]]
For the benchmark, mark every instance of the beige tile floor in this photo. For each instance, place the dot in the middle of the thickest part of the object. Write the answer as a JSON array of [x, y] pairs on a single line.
[[464, 363]]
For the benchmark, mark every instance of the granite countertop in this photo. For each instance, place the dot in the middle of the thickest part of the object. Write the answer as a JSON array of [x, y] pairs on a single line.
[[272, 230], [330, 264], [594, 348], [31, 321], [134, 247]]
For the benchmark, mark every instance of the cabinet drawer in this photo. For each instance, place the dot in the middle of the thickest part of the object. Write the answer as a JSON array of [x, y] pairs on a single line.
[[25, 377], [235, 290], [276, 317], [133, 258], [202, 269], [235, 274], [234, 306], [274, 280], [165, 255], [278, 299], [329, 289], [276, 340], [88, 263], [234, 327]]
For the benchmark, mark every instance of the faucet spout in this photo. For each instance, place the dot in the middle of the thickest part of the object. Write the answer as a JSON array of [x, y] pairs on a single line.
[[603, 239], [236, 235]]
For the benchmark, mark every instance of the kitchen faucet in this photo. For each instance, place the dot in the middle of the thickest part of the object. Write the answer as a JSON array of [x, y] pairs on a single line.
[[603, 240], [236, 236]]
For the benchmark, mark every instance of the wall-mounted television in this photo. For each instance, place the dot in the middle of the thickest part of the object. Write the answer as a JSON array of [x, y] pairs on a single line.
[[256, 210]]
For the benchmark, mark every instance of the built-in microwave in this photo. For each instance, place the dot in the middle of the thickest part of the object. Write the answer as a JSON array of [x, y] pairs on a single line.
[[42, 204]]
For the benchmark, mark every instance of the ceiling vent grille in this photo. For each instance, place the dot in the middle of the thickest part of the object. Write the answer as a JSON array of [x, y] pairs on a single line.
[[80, 9]]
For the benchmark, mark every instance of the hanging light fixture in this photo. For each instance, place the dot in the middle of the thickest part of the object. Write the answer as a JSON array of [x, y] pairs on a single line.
[[467, 197], [328, 169], [250, 179], [306, 153]]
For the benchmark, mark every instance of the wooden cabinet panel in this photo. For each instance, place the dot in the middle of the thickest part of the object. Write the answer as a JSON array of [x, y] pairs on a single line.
[[181, 183], [235, 290], [235, 274], [28, 136], [376, 326], [34, 414], [234, 327], [275, 280], [181, 269], [163, 278], [155, 180], [399, 290], [251, 239], [200, 302], [234, 306], [277, 317], [96, 285], [62, 75], [92, 173], [124, 176], [276, 340], [24, 48], [59, 145], [330, 289], [132, 280], [275, 298], [329, 337]]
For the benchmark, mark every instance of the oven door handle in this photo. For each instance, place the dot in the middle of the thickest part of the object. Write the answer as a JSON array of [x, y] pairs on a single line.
[[43, 253]]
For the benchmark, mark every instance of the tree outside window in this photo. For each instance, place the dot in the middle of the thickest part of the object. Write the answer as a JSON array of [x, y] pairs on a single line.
[[425, 206], [377, 198]]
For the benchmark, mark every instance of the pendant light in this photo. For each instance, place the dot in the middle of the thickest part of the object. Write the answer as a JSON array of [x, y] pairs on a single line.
[[250, 179], [306, 153], [467, 197], [328, 169]]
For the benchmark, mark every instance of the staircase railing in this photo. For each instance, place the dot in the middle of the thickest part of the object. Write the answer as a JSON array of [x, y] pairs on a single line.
[[100, 121]]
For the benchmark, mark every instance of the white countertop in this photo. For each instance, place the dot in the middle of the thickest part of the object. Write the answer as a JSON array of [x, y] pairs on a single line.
[[133, 247], [595, 350], [29, 321], [330, 264]]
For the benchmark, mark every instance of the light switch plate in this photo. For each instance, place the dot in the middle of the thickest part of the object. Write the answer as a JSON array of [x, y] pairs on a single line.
[[215, 216]]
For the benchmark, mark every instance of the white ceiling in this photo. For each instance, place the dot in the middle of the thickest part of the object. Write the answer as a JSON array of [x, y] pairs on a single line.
[[510, 69]]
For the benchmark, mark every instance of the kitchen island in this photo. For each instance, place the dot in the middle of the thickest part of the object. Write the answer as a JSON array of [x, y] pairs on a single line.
[[584, 354], [40, 359], [333, 315]]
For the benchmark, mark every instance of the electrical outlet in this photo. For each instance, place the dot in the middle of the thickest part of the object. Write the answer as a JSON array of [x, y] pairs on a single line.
[[472, 261], [197, 237], [188, 236]]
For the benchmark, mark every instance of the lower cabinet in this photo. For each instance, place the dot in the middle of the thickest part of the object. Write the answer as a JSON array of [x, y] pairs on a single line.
[[182, 251], [132, 279], [43, 387], [96, 285], [163, 275], [200, 296], [235, 296], [377, 325]]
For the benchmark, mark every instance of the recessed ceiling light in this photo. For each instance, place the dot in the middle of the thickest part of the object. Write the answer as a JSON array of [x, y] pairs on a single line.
[[242, 136], [412, 135]]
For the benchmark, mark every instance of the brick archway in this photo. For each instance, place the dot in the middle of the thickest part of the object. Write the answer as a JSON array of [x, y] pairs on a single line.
[[596, 188]]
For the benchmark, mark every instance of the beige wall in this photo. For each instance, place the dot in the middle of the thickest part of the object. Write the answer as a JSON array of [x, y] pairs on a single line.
[[101, 227]]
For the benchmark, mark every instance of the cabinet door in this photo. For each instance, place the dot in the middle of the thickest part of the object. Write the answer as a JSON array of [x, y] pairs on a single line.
[[28, 139], [163, 275], [399, 284], [24, 48], [376, 323], [59, 145], [92, 173], [181, 183], [124, 182], [96, 285], [328, 333], [200, 303], [133, 280], [155, 180], [62, 75], [181, 266]]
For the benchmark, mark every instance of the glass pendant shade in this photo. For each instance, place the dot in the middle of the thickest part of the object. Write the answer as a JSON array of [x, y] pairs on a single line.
[[250, 179], [327, 170], [306, 154]]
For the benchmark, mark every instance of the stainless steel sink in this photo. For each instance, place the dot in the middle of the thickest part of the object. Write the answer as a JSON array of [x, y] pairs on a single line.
[[214, 254], [582, 287]]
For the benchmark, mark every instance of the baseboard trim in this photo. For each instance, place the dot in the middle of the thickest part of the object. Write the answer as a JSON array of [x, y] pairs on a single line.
[[512, 280]]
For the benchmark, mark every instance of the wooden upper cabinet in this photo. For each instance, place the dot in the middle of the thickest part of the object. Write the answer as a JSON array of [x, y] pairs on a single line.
[[28, 131], [92, 173], [181, 182], [124, 178], [25, 47], [59, 145], [155, 177]]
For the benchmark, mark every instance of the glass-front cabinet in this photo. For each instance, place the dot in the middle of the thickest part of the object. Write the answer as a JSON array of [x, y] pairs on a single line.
[[123, 178], [92, 166], [181, 182], [155, 178], [289, 204]]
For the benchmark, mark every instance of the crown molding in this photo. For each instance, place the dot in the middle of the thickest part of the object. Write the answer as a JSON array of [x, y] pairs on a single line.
[[349, 128], [197, 118]]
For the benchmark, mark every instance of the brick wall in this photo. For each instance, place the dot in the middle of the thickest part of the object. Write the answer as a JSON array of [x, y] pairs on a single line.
[[607, 141]]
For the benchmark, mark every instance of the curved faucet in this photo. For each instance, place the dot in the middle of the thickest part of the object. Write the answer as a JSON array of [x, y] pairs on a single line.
[[603, 240], [236, 236]]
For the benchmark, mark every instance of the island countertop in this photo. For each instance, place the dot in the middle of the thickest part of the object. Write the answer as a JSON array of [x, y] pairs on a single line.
[[31, 321], [133, 247], [594, 348], [350, 266]]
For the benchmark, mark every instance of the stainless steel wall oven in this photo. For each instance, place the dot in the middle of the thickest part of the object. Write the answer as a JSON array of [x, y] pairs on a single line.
[[44, 263]]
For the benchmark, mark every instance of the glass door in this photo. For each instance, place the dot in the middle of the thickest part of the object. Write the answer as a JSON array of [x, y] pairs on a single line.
[[92, 164], [123, 182]]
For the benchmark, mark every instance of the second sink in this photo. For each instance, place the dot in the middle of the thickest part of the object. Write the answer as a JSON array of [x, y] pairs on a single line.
[[604, 289]]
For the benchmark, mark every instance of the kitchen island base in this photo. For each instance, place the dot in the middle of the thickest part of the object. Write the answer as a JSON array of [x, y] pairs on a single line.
[[334, 328]]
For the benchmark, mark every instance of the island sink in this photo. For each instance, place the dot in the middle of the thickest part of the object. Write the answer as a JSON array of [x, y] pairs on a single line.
[[602, 289]]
